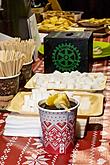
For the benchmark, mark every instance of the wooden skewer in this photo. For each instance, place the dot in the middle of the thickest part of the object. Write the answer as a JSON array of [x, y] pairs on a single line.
[[6, 69], [25, 46], [1, 70]]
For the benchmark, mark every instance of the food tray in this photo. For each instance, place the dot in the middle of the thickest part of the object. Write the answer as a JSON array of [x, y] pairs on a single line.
[[92, 22], [59, 21], [31, 84], [95, 107], [17, 102], [91, 104]]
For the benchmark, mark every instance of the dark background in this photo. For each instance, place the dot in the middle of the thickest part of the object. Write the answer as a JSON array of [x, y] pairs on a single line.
[[91, 8]]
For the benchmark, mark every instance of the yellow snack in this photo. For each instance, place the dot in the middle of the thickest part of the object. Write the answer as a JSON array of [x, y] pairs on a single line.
[[59, 100], [50, 100]]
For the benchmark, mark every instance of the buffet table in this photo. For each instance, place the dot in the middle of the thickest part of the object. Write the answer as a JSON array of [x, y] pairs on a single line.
[[93, 149]]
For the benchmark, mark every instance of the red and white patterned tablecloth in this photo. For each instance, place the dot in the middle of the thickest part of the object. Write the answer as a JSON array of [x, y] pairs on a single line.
[[105, 39], [93, 149]]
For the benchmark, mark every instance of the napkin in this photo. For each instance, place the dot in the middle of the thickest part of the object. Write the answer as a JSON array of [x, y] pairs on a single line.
[[22, 125], [30, 126]]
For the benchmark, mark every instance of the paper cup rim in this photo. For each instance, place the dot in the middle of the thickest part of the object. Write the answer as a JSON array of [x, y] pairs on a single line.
[[8, 77], [57, 110]]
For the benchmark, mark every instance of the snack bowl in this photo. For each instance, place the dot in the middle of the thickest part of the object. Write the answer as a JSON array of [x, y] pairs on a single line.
[[9, 85]]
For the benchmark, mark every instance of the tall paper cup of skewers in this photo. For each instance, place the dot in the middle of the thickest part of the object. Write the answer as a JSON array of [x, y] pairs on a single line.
[[58, 122], [27, 47], [10, 65]]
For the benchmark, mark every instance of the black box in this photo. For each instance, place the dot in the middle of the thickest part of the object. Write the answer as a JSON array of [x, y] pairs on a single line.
[[68, 51]]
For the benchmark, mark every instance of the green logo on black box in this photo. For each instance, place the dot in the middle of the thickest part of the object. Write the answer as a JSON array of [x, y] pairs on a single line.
[[66, 57]]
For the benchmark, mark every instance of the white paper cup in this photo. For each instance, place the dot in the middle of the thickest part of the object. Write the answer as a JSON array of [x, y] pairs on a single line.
[[58, 128]]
